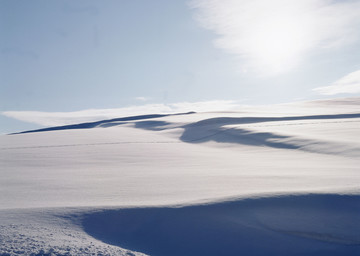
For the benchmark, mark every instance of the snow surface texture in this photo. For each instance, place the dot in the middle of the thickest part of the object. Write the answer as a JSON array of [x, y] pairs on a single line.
[[274, 180]]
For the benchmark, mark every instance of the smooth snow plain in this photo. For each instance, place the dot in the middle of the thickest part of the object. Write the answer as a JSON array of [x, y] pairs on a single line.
[[265, 180]]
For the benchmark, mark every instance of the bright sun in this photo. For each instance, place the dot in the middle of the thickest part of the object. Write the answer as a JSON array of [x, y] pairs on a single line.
[[278, 42]]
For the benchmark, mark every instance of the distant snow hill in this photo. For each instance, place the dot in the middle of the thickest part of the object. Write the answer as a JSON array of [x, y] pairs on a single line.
[[265, 180], [102, 123]]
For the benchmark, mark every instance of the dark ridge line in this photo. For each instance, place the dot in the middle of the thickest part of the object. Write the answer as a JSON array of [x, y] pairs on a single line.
[[251, 120], [88, 125]]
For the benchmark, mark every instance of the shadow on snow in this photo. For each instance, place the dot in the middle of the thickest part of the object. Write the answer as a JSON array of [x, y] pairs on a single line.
[[289, 225]]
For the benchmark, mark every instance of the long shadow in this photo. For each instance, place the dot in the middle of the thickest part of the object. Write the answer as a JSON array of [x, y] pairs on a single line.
[[291, 225], [152, 125], [212, 130], [246, 137], [103, 123]]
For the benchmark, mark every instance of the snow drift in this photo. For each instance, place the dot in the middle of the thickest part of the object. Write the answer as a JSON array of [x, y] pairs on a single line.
[[275, 180]]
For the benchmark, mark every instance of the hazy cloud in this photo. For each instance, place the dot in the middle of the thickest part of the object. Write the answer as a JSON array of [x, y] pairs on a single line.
[[141, 98], [89, 115], [347, 84], [274, 35]]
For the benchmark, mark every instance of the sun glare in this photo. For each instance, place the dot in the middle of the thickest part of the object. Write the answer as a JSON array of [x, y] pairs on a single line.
[[278, 42], [275, 36]]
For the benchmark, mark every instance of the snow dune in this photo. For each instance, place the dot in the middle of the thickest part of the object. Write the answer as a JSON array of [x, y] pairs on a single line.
[[274, 180]]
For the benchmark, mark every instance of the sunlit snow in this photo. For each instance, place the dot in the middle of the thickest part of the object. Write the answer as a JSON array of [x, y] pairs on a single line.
[[266, 180]]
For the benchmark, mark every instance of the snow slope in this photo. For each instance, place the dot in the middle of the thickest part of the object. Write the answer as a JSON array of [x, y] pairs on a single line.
[[269, 180]]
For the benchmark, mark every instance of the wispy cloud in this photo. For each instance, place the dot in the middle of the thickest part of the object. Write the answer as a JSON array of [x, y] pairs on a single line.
[[89, 115], [141, 98], [272, 36], [347, 84]]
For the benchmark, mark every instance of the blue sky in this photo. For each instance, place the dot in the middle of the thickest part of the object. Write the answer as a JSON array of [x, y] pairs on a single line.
[[66, 56]]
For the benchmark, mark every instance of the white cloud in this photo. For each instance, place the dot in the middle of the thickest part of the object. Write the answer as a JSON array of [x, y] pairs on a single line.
[[272, 36], [347, 84], [90, 115]]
